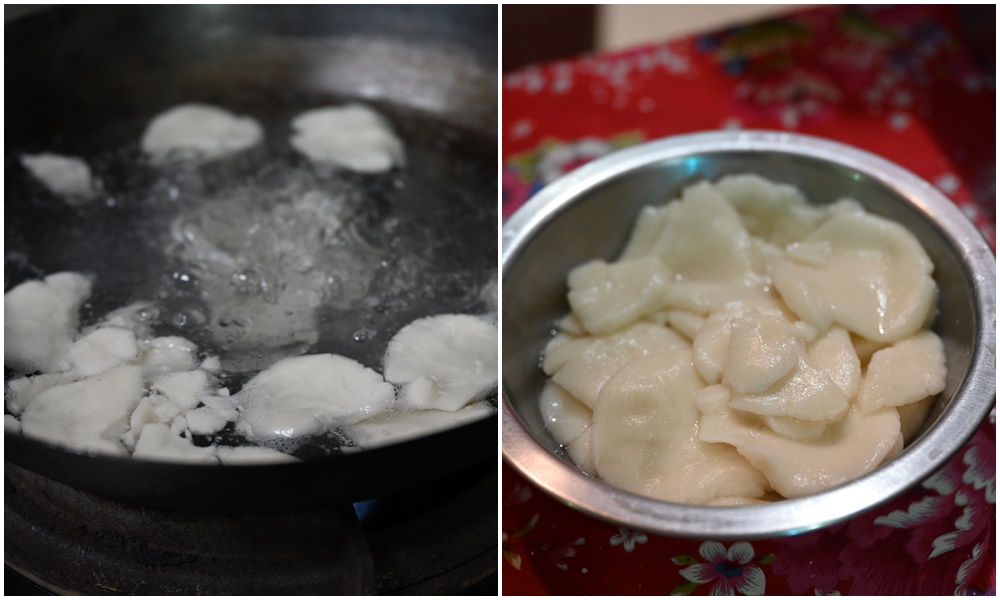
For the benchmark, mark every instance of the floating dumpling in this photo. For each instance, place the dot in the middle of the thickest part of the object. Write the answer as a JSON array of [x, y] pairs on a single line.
[[40, 320], [352, 136], [310, 395], [66, 176], [199, 132], [89, 414], [443, 362]]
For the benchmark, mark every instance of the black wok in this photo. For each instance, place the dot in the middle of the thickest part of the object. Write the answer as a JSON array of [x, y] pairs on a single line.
[[85, 81]]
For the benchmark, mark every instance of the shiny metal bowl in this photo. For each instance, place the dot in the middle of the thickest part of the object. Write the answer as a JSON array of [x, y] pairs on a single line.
[[589, 214]]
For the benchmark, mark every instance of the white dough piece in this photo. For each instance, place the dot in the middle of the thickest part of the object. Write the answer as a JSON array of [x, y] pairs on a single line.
[[455, 353], [904, 373], [160, 443], [776, 212], [99, 350], [820, 388], [40, 320], [583, 365], [169, 353], [212, 364], [876, 281], [796, 429], [205, 421], [154, 408], [199, 132], [646, 436], [223, 403], [853, 447], [712, 344], [762, 350], [90, 414], [607, 297], [244, 455], [396, 427], [808, 395], [66, 176], [685, 323], [701, 237], [307, 395], [581, 450], [351, 136], [706, 297], [563, 415], [834, 353], [23, 390], [183, 388], [571, 326]]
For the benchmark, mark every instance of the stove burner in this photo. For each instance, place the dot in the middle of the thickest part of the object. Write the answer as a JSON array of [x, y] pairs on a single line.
[[437, 539]]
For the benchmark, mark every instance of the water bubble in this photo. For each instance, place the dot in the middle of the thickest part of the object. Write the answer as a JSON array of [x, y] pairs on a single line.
[[147, 314], [245, 282], [363, 335]]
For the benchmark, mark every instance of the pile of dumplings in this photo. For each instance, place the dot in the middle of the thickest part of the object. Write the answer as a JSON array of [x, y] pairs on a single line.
[[747, 346]]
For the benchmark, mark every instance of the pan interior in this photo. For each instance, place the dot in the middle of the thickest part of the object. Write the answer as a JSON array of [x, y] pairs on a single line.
[[413, 242]]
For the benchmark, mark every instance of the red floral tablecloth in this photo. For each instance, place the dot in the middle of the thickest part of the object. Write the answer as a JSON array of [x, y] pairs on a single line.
[[914, 84]]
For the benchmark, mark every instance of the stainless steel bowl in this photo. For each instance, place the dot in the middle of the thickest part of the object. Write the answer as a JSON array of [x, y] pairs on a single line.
[[589, 213]]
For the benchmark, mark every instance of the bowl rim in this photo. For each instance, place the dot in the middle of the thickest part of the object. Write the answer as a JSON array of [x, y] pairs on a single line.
[[977, 392]]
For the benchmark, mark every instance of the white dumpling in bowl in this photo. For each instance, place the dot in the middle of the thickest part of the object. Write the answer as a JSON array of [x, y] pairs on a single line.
[[583, 365], [861, 271], [609, 296], [698, 237], [854, 446], [565, 416], [645, 436], [906, 372]]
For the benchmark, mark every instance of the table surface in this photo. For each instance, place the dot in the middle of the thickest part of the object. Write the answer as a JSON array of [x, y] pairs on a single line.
[[914, 84]]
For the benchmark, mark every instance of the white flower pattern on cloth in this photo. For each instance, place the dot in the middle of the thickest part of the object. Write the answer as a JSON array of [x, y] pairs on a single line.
[[730, 571], [560, 159], [628, 539]]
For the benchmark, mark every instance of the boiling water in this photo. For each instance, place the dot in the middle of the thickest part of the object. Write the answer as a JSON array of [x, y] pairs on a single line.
[[260, 256]]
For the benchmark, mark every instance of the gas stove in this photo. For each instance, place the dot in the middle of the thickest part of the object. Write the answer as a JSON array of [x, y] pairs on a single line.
[[439, 538]]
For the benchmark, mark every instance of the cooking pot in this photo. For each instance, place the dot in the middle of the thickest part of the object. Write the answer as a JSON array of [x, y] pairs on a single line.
[[85, 81]]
